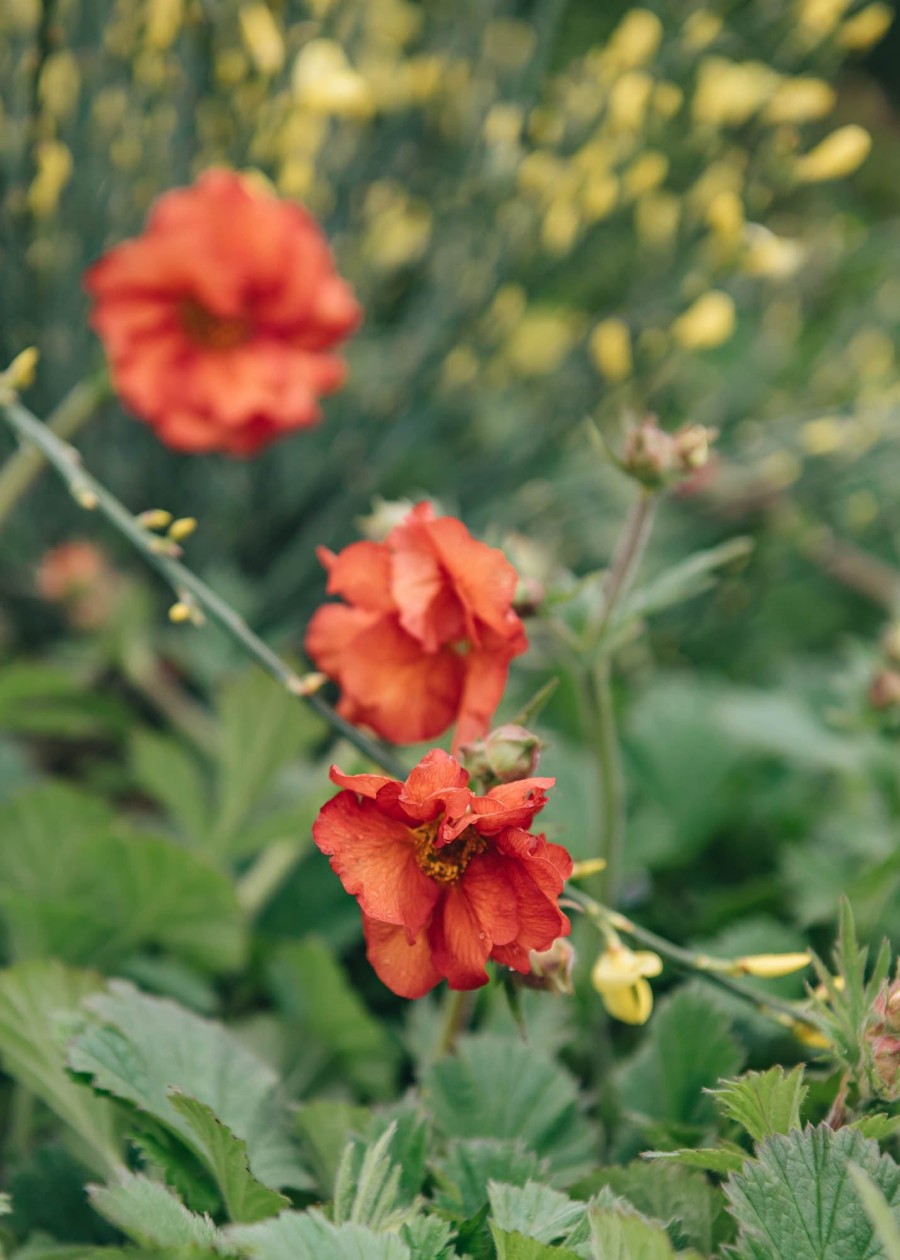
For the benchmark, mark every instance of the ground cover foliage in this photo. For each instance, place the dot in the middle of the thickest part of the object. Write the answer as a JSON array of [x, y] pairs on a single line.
[[558, 219]]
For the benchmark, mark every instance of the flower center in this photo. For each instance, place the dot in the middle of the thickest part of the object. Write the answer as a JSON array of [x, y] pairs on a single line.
[[447, 863], [210, 331]]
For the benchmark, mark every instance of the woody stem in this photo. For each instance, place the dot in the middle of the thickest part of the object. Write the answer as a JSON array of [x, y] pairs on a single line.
[[22, 469], [90, 494]]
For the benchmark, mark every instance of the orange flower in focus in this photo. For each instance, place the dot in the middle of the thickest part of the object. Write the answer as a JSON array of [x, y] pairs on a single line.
[[427, 634], [445, 879], [219, 321]]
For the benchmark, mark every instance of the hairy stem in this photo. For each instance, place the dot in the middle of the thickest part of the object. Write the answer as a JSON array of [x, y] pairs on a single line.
[[22, 469], [89, 493]]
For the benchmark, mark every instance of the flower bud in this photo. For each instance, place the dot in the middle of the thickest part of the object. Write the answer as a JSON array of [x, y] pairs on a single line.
[[385, 514], [884, 690], [886, 1065], [650, 455], [505, 754], [771, 966], [551, 969], [692, 446]]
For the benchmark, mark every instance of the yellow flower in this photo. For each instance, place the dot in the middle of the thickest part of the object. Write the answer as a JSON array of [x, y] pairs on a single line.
[[609, 347], [839, 154], [865, 28], [620, 977], [770, 966], [800, 100], [708, 323], [323, 80], [262, 37], [636, 39]]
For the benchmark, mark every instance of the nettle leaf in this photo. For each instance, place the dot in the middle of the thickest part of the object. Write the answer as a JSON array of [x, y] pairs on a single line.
[[515, 1246], [688, 1049], [692, 1210], [465, 1169], [75, 885], [311, 988], [141, 1048], [497, 1087], [246, 1199], [878, 1126], [428, 1238], [367, 1187], [763, 1103], [797, 1198], [619, 1232], [39, 1008], [879, 1213], [149, 1213], [538, 1212], [170, 773], [309, 1236], [722, 1159]]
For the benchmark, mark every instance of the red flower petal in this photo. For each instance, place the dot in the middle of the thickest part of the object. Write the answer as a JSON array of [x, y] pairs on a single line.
[[437, 783], [374, 858], [405, 968], [361, 573], [459, 944], [492, 897]]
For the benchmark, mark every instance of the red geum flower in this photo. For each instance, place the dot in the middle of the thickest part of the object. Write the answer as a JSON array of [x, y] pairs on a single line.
[[219, 320], [427, 634], [445, 879]]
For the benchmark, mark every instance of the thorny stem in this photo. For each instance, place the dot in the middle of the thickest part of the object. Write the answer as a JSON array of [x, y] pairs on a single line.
[[89, 493], [626, 559], [710, 969], [22, 469]]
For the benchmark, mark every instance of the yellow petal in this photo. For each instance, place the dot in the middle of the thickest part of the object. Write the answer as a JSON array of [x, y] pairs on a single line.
[[620, 968], [768, 966], [631, 1005], [839, 154]]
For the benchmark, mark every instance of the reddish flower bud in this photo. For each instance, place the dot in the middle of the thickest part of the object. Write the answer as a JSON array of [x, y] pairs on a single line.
[[507, 753], [551, 969]]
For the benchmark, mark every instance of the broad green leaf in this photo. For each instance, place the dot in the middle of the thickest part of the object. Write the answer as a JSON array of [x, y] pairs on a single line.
[[693, 1210], [879, 1213], [464, 1170], [688, 1049], [536, 1211], [169, 772], [498, 1087], [246, 1199], [796, 1198], [715, 1159], [763, 1103], [262, 728], [325, 1126], [48, 1197], [313, 990], [74, 886], [139, 1048], [308, 1236], [618, 1232], [878, 1126], [515, 1246], [149, 1213], [39, 1003]]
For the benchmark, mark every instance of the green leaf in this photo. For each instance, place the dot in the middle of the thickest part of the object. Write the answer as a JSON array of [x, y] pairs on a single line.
[[796, 1198], [428, 1238], [246, 1199], [879, 1213], [169, 772], [716, 1159], [325, 1126], [763, 1103], [313, 990], [688, 1049], [465, 1169], [536, 1211], [694, 1210], [39, 1003], [73, 886], [515, 1246], [618, 1232], [367, 1186], [683, 580], [139, 1048], [308, 1236], [497, 1087], [40, 700], [878, 1126], [150, 1214]]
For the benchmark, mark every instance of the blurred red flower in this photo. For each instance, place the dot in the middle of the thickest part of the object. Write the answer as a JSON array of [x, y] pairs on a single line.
[[445, 879], [427, 634], [219, 320]]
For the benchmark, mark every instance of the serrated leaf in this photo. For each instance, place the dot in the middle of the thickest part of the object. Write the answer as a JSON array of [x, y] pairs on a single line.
[[312, 989], [796, 1198], [139, 1048], [308, 1236], [367, 1186], [39, 1003], [716, 1159], [497, 1087], [74, 886], [693, 1210], [515, 1246], [466, 1167], [688, 1049], [763, 1103], [878, 1126], [536, 1211], [325, 1126], [168, 772], [879, 1213], [150, 1214], [618, 1232], [246, 1199], [428, 1238]]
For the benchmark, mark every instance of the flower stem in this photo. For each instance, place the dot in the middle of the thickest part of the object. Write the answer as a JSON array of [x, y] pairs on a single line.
[[22, 469], [626, 558], [460, 1004], [89, 493], [710, 969]]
